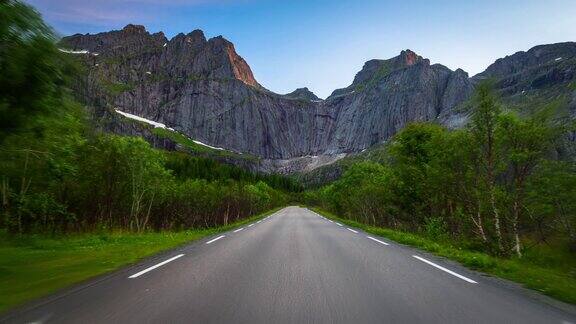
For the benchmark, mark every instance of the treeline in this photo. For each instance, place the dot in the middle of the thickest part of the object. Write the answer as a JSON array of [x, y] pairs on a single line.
[[185, 166], [74, 183], [58, 175], [487, 186]]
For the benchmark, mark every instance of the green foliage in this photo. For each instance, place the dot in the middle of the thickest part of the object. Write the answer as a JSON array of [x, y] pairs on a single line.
[[109, 182], [116, 88], [197, 148], [184, 166], [435, 228], [32, 70], [180, 139], [550, 200]]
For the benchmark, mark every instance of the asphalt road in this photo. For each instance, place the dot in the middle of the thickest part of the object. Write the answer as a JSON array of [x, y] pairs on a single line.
[[295, 267]]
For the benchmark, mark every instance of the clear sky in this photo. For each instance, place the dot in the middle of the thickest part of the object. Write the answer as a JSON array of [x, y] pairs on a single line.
[[321, 44]]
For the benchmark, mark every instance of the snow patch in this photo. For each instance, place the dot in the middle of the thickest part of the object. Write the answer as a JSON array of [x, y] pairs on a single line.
[[209, 146], [147, 121], [74, 52], [160, 125], [148, 72], [558, 59]]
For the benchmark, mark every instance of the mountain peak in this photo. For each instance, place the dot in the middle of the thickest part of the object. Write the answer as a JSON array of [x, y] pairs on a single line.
[[196, 33], [302, 93], [238, 66], [409, 57], [135, 29]]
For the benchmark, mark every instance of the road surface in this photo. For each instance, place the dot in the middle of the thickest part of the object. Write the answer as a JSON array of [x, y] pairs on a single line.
[[295, 267]]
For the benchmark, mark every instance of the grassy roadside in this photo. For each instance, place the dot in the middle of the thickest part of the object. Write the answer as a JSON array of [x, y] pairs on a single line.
[[543, 269], [35, 266]]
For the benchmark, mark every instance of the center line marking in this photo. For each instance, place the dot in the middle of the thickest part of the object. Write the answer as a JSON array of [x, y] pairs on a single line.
[[444, 269], [351, 230], [238, 230], [216, 239], [377, 240], [136, 275], [339, 224]]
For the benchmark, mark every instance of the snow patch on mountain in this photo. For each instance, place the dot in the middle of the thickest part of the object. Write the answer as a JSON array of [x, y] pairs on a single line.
[[161, 125]]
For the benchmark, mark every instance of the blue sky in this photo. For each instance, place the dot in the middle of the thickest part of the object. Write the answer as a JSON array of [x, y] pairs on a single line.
[[322, 44]]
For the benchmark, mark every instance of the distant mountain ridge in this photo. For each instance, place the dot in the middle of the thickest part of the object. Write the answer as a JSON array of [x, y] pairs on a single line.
[[302, 93], [205, 90]]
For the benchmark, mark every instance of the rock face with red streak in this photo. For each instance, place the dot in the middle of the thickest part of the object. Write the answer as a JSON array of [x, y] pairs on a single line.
[[240, 68], [204, 89]]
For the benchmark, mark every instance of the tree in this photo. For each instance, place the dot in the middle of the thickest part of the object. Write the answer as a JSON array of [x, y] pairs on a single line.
[[32, 70], [484, 125], [550, 199], [525, 143], [413, 152]]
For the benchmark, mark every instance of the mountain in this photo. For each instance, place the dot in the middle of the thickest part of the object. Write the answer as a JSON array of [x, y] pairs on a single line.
[[542, 75], [388, 94], [203, 90]]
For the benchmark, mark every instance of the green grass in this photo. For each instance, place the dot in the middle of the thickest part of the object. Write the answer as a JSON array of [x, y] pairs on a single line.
[[116, 88], [182, 140], [547, 269], [33, 266]]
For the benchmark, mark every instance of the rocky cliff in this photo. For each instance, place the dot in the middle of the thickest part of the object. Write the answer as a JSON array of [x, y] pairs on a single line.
[[203, 89]]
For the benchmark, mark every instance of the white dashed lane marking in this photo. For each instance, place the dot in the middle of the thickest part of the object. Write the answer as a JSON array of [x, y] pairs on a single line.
[[377, 240], [445, 270], [138, 274], [216, 239]]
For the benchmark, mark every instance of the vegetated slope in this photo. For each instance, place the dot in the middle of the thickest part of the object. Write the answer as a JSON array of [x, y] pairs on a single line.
[[204, 90]]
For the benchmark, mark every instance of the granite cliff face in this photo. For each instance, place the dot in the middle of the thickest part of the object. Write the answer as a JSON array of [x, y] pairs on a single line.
[[202, 88], [388, 94]]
